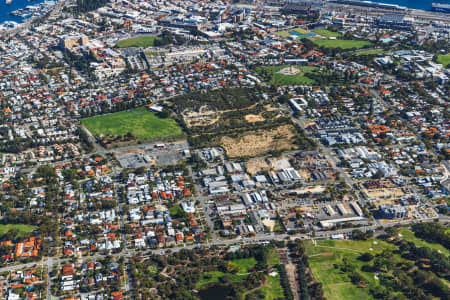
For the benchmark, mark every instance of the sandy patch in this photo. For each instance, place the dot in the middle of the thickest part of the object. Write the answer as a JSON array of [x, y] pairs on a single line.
[[304, 173], [316, 189], [269, 224], [384, 193], [289, 71], [279, 163], [256, 165], [381, 202], [254, 118], [204, 117], [259, 142]]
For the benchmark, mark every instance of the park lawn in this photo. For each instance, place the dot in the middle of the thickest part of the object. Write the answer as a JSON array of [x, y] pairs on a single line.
[[409, 236], [275, 259], [22, 228], [444, 59], [299, 78], [337, 284], [176, 210], [369, 52], [377, 246], [273, 289], [214, 276], [343, 44], [139, 122], [141, 41], [244, 264], [327, 33]]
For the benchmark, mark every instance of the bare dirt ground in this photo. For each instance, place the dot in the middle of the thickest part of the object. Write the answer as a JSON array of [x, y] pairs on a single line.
[[291, 270], [131, 151], [204, 117], [305, 173], [381, 202], [269, 224], [317, 189], [289, 71], [256, 165], [269, 107], [254, 118], [207, 117], [259, 142], [385, 193], [279, 163]]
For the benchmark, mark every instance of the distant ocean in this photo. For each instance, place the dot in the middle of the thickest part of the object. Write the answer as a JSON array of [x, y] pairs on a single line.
[[5, 9], [417, 4]]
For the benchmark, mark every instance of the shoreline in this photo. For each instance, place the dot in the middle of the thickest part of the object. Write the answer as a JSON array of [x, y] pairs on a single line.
[[420, 14], [415, 12], [428, 9], [26, 22]]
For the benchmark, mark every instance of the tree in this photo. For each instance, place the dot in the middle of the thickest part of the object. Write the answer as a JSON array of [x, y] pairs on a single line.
[[358, 235], [391, 231], [366, 257], [163, 114], [357, 278], [225, 279]]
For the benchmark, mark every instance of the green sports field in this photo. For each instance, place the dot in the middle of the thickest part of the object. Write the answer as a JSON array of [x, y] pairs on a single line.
[[276, 78], [343, 44], [369, 52], [444, 60], [22, 228], [141, 41], [289, 32], [139, 122], [326, 33]]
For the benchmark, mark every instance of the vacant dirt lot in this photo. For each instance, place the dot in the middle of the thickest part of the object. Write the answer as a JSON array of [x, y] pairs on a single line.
[[317, 189], [279, 163], [304, 173], [259, 142], [384, 193], [269, 224], [256, 165], [381, 202]]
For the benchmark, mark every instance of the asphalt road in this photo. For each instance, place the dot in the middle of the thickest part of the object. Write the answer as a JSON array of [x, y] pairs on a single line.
[[259, 238]]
